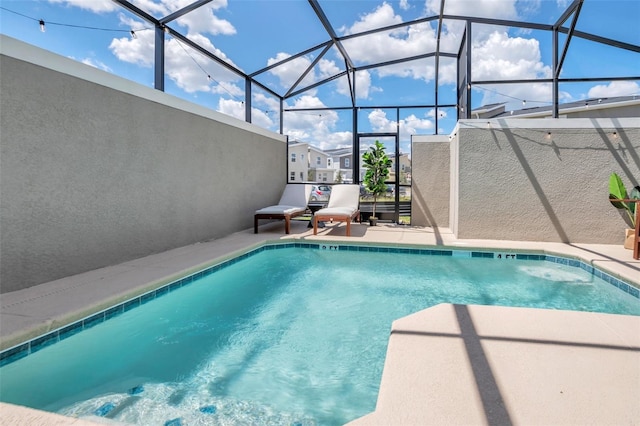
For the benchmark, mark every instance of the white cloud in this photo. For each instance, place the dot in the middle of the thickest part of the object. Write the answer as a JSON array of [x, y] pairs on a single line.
[[363, 87], [96, 64], [269, 102], [236, 109], [498, 9], [404, 5], [615, 88], [380, 122], [432, 113], [226, 89], [140, 51], [411, 125], [152, 7], [418, 39], [315, 127], [231, 107], [137, 51], [388, 45], [528, 7], [180, 66], [187, 67], [504, 57], [327, 68], [203, 19], [289, 72], [448, 71], [500, 57], [382, 16], [405, 42], [97, 6], [262, 118]]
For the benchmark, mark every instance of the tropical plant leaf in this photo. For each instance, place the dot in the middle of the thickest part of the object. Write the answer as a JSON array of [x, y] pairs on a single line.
[[617, 191]]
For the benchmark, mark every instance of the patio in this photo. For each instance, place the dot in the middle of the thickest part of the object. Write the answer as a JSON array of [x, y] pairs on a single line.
[[494, 364], [127, 194]]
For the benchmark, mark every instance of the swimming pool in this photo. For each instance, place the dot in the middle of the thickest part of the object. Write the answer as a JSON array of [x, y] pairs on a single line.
[[286, 334]]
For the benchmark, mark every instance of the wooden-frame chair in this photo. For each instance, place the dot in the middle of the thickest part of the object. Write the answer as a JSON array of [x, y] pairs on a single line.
[[343, 206], [293, 202]]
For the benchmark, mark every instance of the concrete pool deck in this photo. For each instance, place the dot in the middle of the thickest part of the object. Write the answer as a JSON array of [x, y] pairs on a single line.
[[492, 364]]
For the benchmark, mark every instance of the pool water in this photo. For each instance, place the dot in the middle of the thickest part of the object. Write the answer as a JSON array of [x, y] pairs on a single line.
[[289, 337]]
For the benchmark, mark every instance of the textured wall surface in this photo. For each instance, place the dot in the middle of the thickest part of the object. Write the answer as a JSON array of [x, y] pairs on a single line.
[[543, 180], [430, 175], [526, 179], [92, 176]]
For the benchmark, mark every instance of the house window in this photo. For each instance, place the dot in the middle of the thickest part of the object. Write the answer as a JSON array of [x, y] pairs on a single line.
[[301, 176], [318, 162], [328, 162], [347, 162], [293, 157], [293, 176], [301, 157]]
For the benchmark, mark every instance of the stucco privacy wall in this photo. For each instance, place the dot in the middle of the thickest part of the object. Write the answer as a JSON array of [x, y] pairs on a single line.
[[430, 175], [541, 180], [96, 170]]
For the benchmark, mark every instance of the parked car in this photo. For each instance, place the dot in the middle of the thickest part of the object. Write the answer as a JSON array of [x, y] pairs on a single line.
[[364, 194], [391, 189], [320, 193]]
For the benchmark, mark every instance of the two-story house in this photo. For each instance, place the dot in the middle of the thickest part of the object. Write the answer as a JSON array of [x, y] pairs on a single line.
[[298, 161], [341, 161], [320, 166]]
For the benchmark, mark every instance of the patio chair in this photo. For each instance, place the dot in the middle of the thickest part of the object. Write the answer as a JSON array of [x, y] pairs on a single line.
[[292, 203], [343, 206]]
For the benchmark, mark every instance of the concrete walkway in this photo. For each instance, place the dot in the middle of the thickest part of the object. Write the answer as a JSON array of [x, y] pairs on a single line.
[[31, 312], [493, 365]]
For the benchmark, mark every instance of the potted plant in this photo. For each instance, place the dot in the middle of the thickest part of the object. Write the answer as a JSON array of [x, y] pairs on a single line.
[[376, 163], [617, 191]]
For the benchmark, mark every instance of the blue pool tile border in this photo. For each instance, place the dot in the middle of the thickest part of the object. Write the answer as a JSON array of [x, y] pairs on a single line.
[[24, 349]]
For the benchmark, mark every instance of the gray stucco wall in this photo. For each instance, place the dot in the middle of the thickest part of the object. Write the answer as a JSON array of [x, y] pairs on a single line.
[[430, 175], [96, 170], [515, 182], [511, 180]]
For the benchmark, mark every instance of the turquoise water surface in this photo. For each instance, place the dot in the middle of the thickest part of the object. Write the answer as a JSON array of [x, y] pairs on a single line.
[[288, 337]]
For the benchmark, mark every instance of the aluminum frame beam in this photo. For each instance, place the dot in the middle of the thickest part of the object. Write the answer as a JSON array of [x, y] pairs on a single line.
[[178, 13], [329, 29], [308, 70], [351, 68], [319, 83], [576, 14], [291, 58]]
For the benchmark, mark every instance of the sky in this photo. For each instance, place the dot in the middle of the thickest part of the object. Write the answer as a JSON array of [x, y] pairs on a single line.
[[253, 34]]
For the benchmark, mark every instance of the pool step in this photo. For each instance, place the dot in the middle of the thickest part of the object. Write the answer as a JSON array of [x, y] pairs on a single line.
[[122, 406]]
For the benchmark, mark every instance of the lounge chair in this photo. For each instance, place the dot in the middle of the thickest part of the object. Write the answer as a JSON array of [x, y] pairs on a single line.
[[292, 203], [343, 206]]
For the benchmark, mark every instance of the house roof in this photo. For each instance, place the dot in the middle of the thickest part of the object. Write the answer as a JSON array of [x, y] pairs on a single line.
[[494, 110]]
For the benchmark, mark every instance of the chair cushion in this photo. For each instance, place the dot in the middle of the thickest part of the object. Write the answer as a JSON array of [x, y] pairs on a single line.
[[344, 196], [336, 211], [280, 210], [295, 195]]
